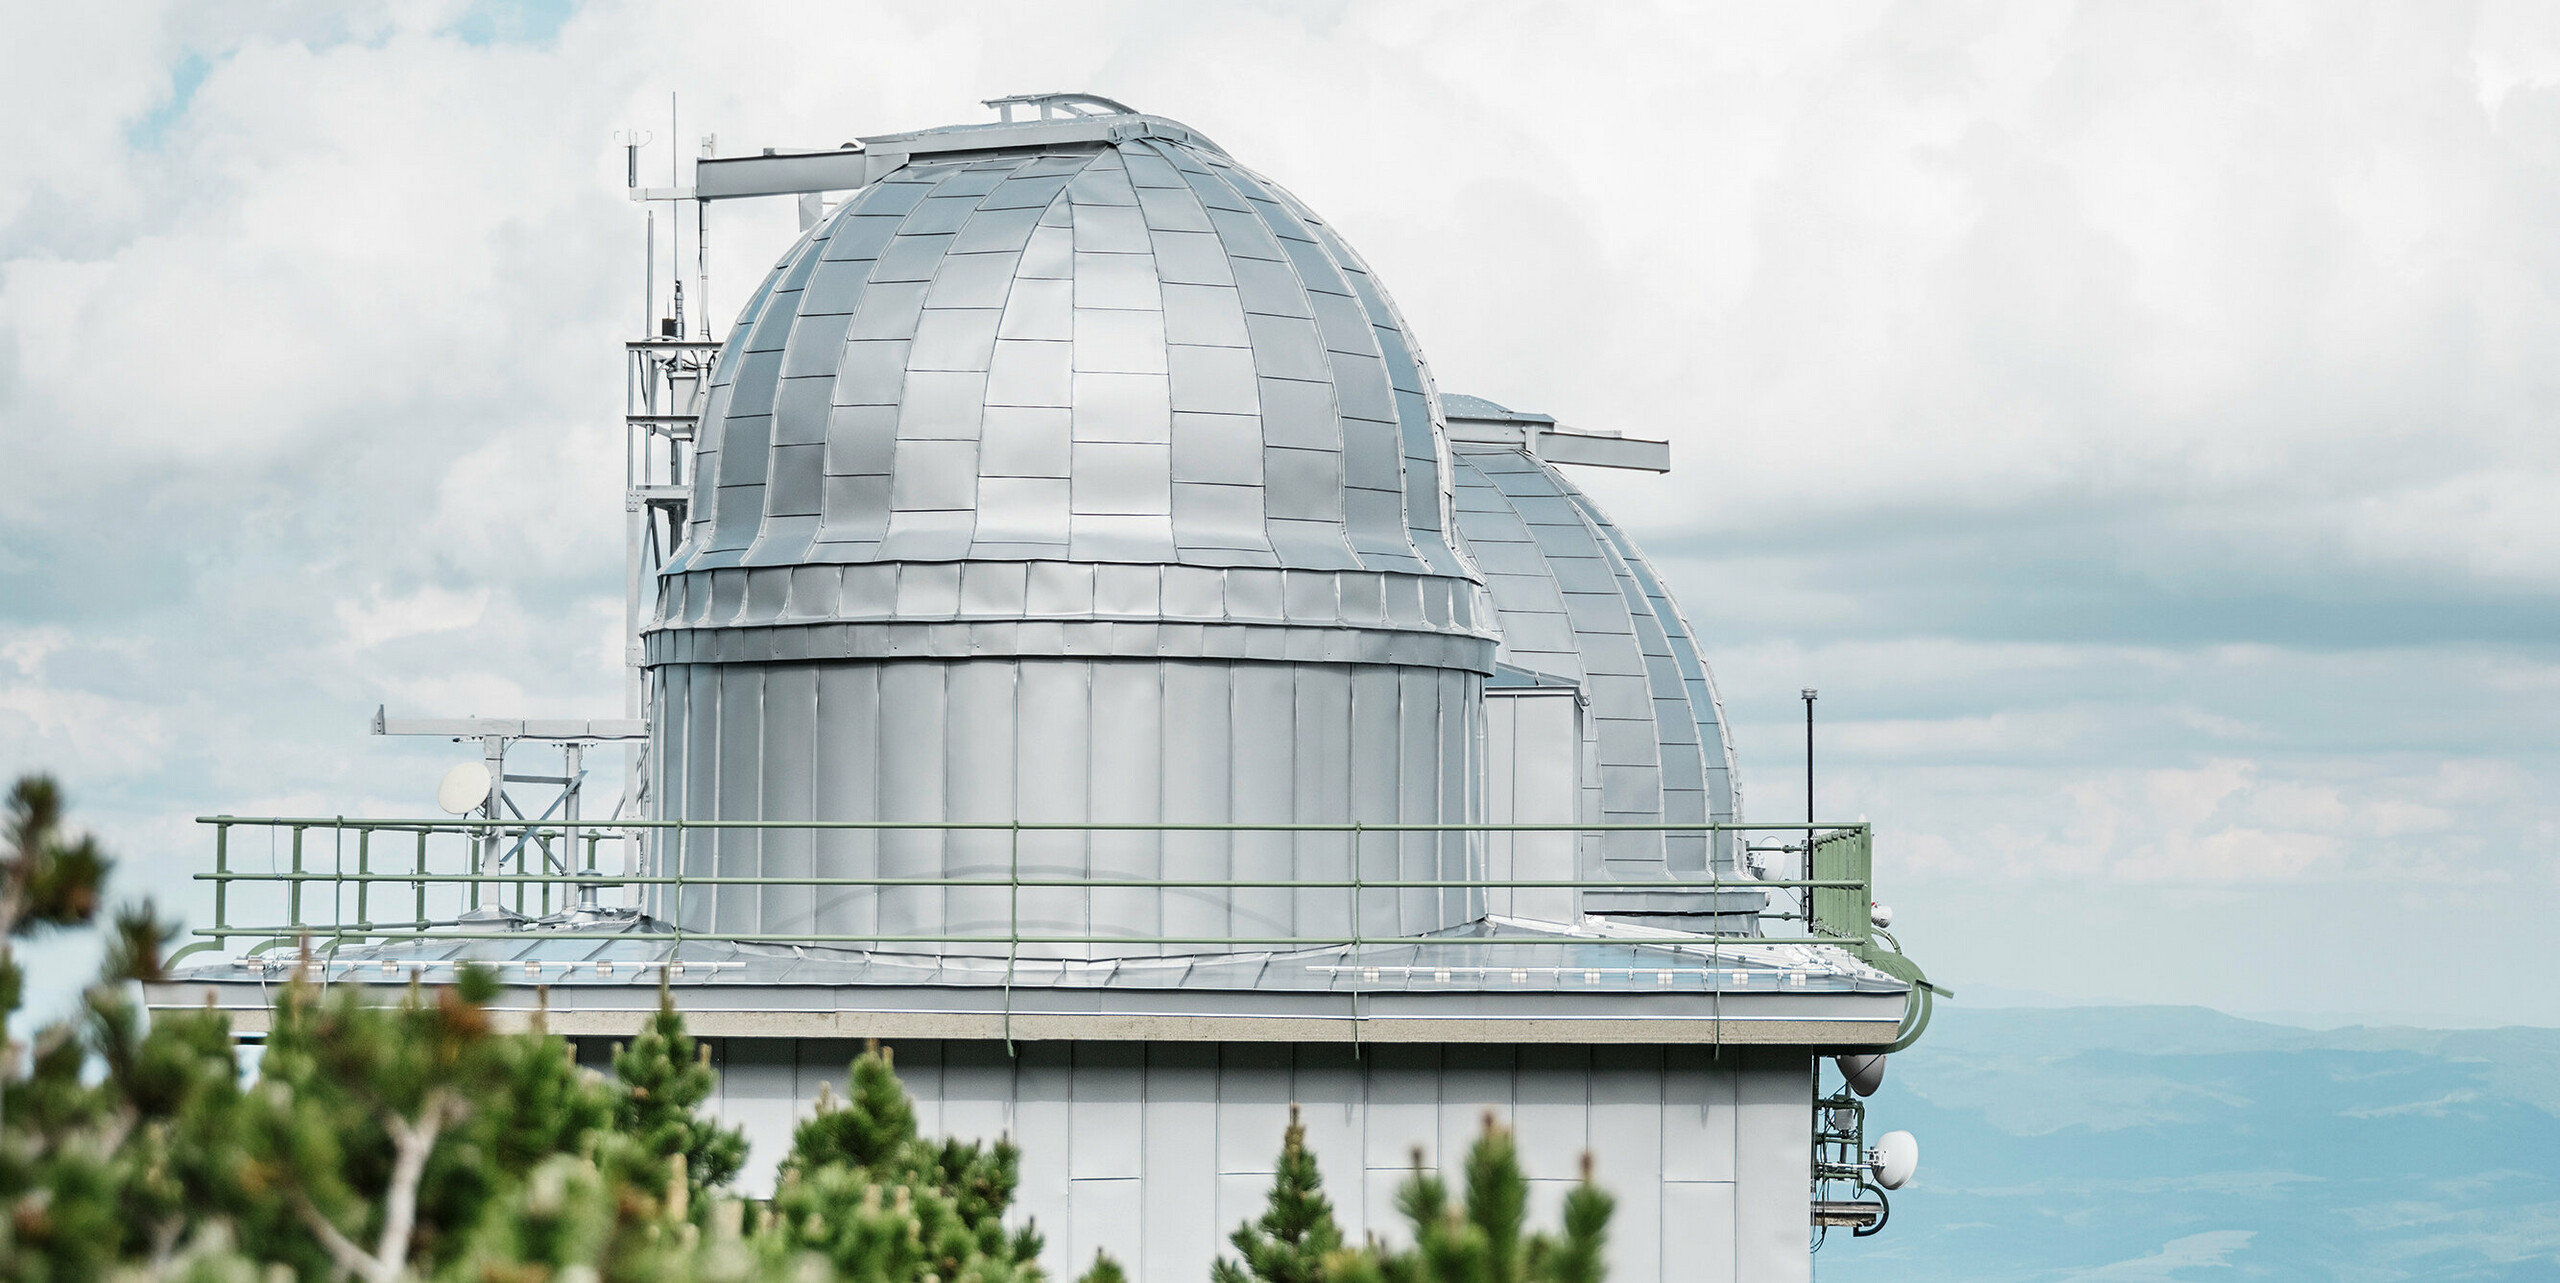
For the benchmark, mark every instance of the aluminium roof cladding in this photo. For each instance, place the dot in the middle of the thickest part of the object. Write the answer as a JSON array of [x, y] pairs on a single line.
[[1124, 349]]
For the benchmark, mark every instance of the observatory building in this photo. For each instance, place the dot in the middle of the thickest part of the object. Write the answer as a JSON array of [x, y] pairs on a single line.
[[1075, 641]]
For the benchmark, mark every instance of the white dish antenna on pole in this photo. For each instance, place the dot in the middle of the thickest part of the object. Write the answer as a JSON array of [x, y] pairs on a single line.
[[463, 788], [1896, 1157]]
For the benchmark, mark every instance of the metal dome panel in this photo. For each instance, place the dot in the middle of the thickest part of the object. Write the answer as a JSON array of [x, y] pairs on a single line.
[[1125, 351], [1578, 605]]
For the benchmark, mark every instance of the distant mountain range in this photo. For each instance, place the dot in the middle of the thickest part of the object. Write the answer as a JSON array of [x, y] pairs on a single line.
[[2155, 1143]]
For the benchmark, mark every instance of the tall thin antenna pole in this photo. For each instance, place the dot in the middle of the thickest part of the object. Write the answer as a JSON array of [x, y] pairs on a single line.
[[1809, 696], [675, 236]]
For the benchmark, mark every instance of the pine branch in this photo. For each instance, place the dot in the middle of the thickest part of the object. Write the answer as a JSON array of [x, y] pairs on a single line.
[[350, 1258], [411, 1142]]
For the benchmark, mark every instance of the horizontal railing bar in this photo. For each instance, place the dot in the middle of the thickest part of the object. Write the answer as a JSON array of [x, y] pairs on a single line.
[[615, 879], [377, 931], [604, 828]]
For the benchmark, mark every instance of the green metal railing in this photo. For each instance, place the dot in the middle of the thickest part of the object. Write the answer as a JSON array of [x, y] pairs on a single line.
[[1843, 873], [535, 869]]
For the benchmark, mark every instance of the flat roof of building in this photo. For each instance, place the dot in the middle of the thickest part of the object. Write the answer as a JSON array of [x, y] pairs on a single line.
[[1503, 981]]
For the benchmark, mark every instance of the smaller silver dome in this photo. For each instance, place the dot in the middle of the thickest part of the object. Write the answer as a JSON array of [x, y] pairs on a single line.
[[1578, 605]]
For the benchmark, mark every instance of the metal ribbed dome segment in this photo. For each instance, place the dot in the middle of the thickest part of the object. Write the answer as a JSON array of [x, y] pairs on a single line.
[[1578, 604], [1133, 351]]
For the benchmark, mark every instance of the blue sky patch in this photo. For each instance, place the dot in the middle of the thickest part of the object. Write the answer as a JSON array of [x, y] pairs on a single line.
[[184, 79], [513, 22]]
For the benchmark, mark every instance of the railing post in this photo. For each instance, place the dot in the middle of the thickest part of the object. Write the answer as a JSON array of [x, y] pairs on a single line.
[[337, 883], [675, 905], [1352, 956], [364, 879], [293, 893], [222, 878], [1356, 878], [1013, 924], [420, 867]]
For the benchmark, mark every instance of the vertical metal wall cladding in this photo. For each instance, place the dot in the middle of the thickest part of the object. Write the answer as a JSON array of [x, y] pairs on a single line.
[[1093, 482]]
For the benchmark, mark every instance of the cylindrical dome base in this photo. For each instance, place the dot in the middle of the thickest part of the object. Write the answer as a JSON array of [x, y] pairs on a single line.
[[1068, 740]]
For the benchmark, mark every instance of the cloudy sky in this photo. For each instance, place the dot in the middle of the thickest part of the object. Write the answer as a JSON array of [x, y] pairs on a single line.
[[2135, 418]]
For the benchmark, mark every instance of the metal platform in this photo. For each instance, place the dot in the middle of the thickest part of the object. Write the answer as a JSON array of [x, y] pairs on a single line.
[[1500, 981], [1835, 1213]]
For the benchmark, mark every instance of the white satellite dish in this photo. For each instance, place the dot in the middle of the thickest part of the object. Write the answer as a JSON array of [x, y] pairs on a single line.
[[464, 788], [1896, 1157], [1865, 1073]]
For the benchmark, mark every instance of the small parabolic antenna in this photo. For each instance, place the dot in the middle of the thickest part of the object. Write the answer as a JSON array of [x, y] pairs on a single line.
[[1865, 1073], [463, 788], [1896, 1157]]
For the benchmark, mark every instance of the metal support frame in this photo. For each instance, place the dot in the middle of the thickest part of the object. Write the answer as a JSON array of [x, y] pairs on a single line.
[[559, 821], [665, 382], [1059, 106], [1841, 1158]]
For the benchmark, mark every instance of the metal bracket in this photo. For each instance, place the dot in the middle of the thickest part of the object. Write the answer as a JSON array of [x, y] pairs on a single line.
[[1054, 106]]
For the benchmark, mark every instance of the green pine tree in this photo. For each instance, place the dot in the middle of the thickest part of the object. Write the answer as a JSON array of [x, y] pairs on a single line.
[[879, 1202], [415, 1141], [1579, 1257], [410, 1140], [110, 1141], [1297, 1235], [378, 1136], [170, 1087], [874, 1125], [48, 880], [665, 1076], [1486, 1240]]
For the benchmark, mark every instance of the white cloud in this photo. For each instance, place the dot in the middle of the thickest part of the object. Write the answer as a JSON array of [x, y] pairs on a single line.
[[527, 504], [48, 723], [77, 732], [379, 619], [2007, 351], [26, 649]]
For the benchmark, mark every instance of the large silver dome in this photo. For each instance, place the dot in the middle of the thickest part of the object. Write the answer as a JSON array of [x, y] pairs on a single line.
[[1070, 472], [1130, 352]]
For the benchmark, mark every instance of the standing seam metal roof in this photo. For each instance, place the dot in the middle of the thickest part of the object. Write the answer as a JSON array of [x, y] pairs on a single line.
[[1134, 351]]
